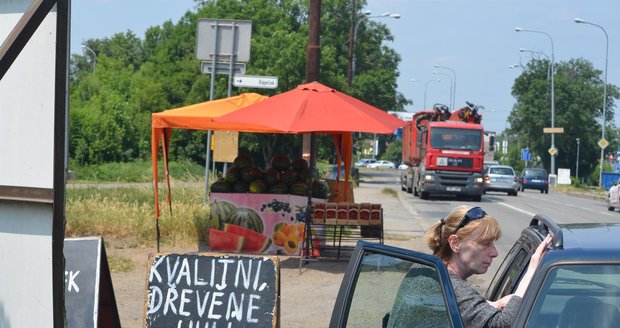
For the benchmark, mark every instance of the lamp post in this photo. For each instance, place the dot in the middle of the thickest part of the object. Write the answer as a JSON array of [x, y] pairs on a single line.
[[519, 29], [453, 100], [604, 111], [426, 88], [94, 56], [516, 66], [451, 85], [577, 161], [353, 37]]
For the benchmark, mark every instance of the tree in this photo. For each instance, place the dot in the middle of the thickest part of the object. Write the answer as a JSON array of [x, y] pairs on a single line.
[[578, 96]]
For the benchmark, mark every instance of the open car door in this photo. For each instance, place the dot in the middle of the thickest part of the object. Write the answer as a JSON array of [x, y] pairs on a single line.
[[387, 286]]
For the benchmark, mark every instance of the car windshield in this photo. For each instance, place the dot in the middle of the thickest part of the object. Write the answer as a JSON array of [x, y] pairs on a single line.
[[501, 170], [584, 295], [536, 173], [451, 138]]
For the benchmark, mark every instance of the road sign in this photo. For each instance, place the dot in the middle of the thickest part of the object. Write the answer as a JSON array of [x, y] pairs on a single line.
[[222, 67], [525, 154], [553, 130], [250, 81], [603, 143], [223, 38], [553, 151]]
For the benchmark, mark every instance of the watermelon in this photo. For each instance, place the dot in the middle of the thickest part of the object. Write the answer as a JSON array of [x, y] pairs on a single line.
[[320, 189], [250, 174], [258, 186], [219, 210], [243, 161], [253, 242], [232, 174], [224, 241], [278, 188], [280, 162], [247, 218], [241, 187], [289, 176], [299, 188], [300, 164], [271, 176], [221, 186], [305, 175]]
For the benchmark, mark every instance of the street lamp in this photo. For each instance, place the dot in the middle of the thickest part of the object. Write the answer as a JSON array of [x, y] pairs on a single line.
[[451, 85], [453, 100], [519, 29], [577, 161], [94, 56], [426, 88], [353, 37], [604, 111]]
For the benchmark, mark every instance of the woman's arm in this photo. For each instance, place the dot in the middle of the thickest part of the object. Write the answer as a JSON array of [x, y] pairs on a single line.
[[531, 269]]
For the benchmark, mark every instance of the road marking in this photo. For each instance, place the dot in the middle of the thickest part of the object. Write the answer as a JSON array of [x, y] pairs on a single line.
[[516, 209]]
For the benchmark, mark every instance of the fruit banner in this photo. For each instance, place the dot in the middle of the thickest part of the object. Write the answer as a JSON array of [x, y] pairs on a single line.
[[257, 223]]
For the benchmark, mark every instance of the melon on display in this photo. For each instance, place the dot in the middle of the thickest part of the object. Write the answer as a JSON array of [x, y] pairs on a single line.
[[221, 186], [253, 242], [243, 161], [232, 174], [280, 162], [258, 186], [224, 241], [279, 188]]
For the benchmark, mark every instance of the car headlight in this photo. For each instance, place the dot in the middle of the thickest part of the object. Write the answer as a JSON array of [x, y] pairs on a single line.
[[478, 180], [428, 177]]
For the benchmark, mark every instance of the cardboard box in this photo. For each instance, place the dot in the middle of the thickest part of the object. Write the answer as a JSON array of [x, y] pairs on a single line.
[[331, 213], [343, 213], [318, 213], [364, 214], [354, 214]]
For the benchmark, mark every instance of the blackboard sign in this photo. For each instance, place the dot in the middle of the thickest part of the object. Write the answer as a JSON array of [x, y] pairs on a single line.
[[89, 295], [212, 290]]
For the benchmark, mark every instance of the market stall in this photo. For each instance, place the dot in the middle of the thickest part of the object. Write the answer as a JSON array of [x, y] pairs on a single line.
[[309, 108]]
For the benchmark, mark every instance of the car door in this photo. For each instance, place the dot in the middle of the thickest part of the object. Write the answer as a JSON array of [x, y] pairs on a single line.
[[386, 286]]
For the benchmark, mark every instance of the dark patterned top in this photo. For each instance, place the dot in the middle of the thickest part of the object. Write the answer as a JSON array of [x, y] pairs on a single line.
[[476, 312]]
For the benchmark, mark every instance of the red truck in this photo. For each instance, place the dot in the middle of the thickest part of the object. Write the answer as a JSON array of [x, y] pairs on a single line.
[[444, 153]]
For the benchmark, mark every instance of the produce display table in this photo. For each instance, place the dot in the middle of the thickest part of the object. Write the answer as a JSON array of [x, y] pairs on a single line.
[[333, 223], [268, 223]]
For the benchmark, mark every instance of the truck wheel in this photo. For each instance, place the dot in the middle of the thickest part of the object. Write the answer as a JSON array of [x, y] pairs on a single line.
[[546, 191], [610, 208]]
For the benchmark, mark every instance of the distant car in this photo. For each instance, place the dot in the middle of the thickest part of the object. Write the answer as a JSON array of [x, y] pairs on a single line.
[[403, 166], [381, 165], [577, 283], [500, 178], [364, 162], [534, 178], [613, 196]]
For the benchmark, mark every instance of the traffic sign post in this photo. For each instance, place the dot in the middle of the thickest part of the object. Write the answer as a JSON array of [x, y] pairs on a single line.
[[222, 67], [250, 81]]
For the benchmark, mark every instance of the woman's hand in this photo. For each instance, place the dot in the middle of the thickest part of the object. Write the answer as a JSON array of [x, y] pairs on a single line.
[[501, 303]]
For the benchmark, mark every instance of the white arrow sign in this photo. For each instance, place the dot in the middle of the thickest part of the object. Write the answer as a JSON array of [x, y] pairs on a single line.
[[250, 81]]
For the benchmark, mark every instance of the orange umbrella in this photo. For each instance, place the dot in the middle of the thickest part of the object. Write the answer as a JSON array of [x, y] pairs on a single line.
[[314, 107]]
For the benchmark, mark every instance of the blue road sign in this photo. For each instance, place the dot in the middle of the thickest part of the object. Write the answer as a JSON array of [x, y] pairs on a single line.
[[525, 154]]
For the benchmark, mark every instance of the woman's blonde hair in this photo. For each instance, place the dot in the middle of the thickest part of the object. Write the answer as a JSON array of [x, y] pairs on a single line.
[[437, 236]]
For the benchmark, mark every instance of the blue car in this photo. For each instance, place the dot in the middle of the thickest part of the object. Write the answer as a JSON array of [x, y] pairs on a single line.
[[534, 178]]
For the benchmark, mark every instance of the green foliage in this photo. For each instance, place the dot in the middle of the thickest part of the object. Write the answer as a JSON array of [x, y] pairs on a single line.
[[111, 105], [393, 152], [578, 103], [136, 171]]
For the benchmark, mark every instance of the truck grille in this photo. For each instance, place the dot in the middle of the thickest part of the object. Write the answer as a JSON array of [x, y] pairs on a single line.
[[447, 178], [455, 162]]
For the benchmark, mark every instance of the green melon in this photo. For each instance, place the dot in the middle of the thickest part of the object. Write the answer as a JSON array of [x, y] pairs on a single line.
[[300, 164], [253, 242], [241, 187], [225, 241], [278, 188], [271, 176], [299, 188], [243, 161], [306, 176], [320, 189], [258, 186], [232, 174], [220, 186], [280, 162], [289, 176], [250, 174], [247, 218], [219, 210]]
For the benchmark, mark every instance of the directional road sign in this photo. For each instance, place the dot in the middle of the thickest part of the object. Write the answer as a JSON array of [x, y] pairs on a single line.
[[250, 81]]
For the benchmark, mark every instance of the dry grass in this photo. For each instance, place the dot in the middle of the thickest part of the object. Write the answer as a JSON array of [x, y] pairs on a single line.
[[126, 212]]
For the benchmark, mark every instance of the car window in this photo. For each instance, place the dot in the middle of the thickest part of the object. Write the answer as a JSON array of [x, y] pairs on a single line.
[[501, 170], [387, 289], [582, 295], [536, 172], [511, 270]]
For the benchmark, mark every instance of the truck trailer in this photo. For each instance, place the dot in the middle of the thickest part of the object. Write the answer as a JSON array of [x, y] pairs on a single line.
[[444, 153]]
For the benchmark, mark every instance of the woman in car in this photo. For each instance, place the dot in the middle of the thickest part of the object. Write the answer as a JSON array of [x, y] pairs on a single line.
[[464, 240]]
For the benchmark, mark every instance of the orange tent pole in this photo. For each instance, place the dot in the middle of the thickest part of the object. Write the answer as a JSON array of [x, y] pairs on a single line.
[[155, 135]]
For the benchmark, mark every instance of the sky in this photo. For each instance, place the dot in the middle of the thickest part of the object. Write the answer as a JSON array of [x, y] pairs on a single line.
[[474, 38]]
